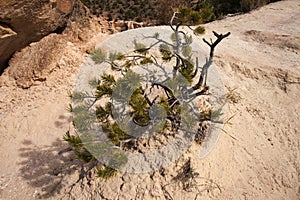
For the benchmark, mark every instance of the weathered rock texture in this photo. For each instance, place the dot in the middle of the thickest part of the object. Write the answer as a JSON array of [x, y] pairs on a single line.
[[34, 63], [27, 21], [256, 157], [44, 58]]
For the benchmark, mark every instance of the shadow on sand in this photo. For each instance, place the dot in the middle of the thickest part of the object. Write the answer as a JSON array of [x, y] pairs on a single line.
[[46, 167]]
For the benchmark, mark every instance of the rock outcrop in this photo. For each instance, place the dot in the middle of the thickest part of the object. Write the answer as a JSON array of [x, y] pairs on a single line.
[[34, 63], [121, 25], [37, 61], [27, 21]]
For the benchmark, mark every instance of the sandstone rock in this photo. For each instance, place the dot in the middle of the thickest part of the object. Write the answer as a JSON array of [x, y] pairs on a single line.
[[121, 25], [37, 61], [82, 30], [26, 21]]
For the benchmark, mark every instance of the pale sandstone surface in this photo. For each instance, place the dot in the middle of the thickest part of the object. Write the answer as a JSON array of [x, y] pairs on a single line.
[[256, 158]]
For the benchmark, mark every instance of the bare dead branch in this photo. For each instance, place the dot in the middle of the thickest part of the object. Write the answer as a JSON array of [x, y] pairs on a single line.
[[172, 20], [212, 44], [196, 70], [203, 74], [208, 63], [167, 90]]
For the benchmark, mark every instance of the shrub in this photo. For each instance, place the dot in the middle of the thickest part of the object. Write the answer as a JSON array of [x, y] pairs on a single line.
[[162, 10], [123, 125]]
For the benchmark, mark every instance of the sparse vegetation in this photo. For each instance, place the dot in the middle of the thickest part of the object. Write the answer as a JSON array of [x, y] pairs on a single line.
[[160, 11], [89, 161], [233, 96], [148, 105]]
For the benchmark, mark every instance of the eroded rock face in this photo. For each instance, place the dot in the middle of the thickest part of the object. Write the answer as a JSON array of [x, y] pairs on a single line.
[[35, 62], [40, 56], [26, 21]]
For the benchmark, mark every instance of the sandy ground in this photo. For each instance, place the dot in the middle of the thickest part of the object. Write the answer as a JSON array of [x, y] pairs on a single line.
[[257, 158]]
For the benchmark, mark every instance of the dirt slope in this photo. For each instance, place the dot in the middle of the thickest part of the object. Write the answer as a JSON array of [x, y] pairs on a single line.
[[257, 158]]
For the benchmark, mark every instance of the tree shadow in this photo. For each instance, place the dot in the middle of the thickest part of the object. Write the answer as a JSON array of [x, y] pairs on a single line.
[[47, 167], [63, 120]]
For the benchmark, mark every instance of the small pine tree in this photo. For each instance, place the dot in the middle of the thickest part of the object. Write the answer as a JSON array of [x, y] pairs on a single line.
[[136, 115]]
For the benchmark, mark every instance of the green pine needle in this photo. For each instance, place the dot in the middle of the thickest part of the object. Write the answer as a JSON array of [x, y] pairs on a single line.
[[98, 56], [108, 79], [200, 30], [103, 90], [107, 172], [73, 140]]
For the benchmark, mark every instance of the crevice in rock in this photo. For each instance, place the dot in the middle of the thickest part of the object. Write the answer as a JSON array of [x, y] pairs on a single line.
[[26, 22], [5, 65], [60, 29], [6, 31]]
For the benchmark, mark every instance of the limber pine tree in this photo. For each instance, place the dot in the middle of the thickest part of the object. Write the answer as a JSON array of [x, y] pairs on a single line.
[[160, 93]]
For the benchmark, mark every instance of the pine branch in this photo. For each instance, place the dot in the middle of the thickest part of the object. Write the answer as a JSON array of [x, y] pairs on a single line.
[[73, 140]]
